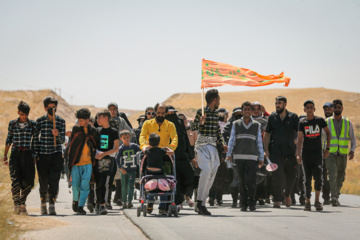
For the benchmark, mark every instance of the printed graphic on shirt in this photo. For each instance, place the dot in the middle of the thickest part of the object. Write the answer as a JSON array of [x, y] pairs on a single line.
[[312, 131], [129, 157], [104, 141]]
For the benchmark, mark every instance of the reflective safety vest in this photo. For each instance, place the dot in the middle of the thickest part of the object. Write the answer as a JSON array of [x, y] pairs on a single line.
[[340, 143]]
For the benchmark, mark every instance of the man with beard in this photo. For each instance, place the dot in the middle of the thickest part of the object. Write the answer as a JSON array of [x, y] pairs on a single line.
[[328, 112], [342, 132], [168, 138], [206, 146], [280, 147], [183, 156]]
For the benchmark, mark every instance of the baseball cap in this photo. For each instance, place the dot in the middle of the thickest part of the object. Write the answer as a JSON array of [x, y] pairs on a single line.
[[309, 101], [256, 103], [237, 109], [327, 104]]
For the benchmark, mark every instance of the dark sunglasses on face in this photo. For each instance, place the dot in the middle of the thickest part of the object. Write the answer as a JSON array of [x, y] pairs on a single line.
[[150, 113]]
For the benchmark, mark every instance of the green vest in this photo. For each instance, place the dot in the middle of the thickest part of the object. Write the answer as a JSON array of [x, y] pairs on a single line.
[[340, 144]]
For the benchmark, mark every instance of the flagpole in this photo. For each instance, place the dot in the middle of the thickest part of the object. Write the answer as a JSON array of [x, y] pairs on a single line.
[[202, 102]]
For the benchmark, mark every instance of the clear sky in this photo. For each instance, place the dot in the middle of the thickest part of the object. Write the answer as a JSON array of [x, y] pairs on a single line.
[[138, 53]]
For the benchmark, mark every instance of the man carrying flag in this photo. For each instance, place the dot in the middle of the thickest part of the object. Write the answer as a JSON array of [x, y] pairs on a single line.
[[206, 146]]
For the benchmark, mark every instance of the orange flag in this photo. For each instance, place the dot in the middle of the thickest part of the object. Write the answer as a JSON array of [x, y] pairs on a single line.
[[216, 74]]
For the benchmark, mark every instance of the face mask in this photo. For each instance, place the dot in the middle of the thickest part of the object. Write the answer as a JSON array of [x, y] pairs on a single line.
[[50, 111], [160, 119]]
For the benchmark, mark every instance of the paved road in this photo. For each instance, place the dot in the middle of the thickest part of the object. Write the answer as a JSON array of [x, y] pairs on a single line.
[[266, 223], [92, 226], [341, 222]]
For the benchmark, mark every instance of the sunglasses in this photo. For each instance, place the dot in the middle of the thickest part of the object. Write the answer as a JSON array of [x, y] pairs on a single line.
[[150, 113]]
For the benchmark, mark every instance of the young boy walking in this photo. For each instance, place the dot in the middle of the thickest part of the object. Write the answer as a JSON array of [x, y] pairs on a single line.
[[105, 156], [246, 147], [48, 142], [309, 152], [82, 149], [22, 167], [126, 163]]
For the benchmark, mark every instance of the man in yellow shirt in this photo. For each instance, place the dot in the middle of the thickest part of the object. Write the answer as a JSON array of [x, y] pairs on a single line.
[[82, 149], [168, 138]]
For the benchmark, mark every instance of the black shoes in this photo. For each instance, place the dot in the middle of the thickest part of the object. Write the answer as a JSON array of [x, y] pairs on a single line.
[[261, 202], [75, 206], [307, 207], [203, 211], [90, 207], [243, 208], [81, 211], [211, 202], [252, 208], [234, 205]]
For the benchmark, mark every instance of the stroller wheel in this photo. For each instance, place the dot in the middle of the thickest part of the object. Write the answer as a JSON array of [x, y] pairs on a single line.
[[138, 211], [169, 211], [175, 209], [144, 210]]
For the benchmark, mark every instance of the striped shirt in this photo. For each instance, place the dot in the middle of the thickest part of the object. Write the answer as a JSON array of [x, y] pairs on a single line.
[[20, 135], [44, 140], [259, 143], [211, 127]]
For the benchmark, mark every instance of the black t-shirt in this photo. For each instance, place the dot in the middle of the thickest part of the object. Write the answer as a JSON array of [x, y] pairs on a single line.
[[312, 132], [155, 157], [107, 138], [283, 133]]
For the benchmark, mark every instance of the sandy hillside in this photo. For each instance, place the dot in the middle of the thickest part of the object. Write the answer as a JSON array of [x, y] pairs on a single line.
[[10, 99]]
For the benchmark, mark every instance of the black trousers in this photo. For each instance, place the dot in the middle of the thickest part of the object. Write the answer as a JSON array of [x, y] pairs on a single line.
[[326, 184], [103, 182], [91, 196], [284, 177], [185, 180], [312, 168], [247, 174], [49, 168], [22, 173], [112, 174]]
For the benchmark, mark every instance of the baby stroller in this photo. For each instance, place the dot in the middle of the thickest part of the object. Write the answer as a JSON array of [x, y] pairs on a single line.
[[152, 186]]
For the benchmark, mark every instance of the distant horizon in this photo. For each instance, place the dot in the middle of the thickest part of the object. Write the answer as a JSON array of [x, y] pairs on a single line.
[[131, 109]]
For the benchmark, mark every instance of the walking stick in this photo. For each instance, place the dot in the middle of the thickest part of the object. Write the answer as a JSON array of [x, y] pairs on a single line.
[[54, 125]]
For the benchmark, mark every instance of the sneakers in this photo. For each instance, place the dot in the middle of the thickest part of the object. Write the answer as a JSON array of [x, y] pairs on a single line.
[[334, 202], [52, 209], [103, 210], [23, 210], [118, 202], [90, 207], [243, 208], [327, 202], [252, 208], [108, 206], [130, 205], [190, 202], [203, 211], [211, 202], [307, 207], [97, 209], [75, 206], [81, 211], [277, 205], [17, 209], [318, 206], [43, 209]]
